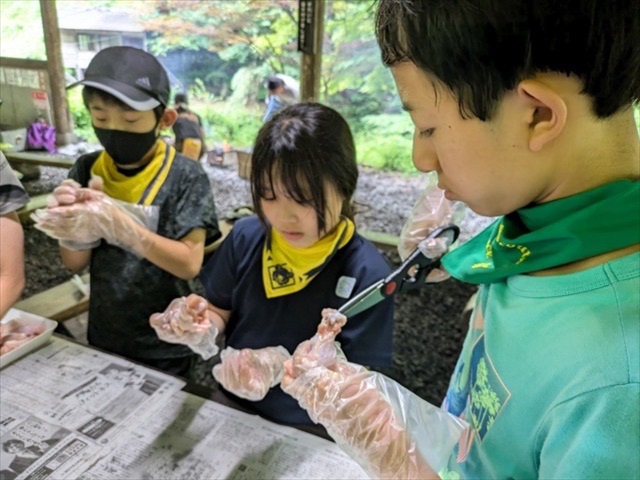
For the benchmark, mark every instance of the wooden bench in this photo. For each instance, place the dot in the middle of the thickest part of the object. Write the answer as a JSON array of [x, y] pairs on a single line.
[[59, 303], [225, 227], [40, 159], [383, 241], [66, 300]]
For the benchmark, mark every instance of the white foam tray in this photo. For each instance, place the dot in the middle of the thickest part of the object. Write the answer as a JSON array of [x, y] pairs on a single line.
[[29, 319]]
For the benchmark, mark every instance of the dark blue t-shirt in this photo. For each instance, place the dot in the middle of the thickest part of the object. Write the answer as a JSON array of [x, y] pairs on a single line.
[[232, 279]]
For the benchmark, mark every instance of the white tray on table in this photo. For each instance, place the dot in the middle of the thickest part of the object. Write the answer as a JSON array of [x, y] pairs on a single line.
[[28, 319]]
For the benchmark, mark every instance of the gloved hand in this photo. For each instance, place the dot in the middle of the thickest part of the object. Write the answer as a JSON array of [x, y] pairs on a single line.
[[388, 430], [250, 373], [67, 193], [431, 210], [70, 191], [185, 321], [85, 216]]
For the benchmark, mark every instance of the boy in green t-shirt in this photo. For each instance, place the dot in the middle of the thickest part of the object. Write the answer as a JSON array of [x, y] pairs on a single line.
[[142, 228], [524, 110]]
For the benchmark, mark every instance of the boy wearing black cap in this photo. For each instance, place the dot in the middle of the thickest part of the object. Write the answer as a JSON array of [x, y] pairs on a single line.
[[141, 228]]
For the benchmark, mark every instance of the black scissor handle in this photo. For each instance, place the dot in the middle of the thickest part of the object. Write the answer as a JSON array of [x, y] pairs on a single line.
[[414, 270]]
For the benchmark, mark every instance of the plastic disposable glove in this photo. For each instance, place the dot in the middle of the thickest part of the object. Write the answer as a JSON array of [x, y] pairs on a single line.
[[67, 193], [185, 321], [250, 373], [388, 430], [70, 191], [431, 210], [91, 217]]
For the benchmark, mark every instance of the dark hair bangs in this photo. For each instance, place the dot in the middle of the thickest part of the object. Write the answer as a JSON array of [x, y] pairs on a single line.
[[297, 172]]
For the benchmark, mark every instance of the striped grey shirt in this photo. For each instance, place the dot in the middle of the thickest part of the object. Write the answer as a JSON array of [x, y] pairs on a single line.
[[12, 193]]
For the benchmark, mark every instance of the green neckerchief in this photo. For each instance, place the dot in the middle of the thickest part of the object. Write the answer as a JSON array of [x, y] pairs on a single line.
[[551, 234]]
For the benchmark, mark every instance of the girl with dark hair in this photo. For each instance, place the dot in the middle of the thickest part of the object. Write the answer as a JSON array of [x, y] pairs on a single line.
[[269, 281]]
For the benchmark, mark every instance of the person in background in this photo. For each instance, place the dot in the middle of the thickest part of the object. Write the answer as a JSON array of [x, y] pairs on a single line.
[[137, 213], [189, 134], [12, 197], [524, 110], [278, 97], [300, 253]]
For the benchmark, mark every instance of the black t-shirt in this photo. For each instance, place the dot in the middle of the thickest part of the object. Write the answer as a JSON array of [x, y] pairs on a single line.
[[127, 289], [187, 125]]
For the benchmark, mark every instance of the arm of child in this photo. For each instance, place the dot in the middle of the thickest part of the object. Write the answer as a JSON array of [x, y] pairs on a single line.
[[75, 260], [11, 261], [80, 216], [182, 258]]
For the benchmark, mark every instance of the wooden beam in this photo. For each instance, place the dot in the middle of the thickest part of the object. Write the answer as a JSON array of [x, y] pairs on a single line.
[[310, 36], [53, 46]]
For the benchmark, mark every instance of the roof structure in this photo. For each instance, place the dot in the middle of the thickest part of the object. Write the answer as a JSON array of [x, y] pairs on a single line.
[[95, 19]]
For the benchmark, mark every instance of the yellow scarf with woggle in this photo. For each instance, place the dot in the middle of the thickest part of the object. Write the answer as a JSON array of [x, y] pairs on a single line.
[[141, 188], [287, 269]]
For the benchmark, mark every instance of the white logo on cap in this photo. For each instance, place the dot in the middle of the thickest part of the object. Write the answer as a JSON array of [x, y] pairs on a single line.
[[144, 82]]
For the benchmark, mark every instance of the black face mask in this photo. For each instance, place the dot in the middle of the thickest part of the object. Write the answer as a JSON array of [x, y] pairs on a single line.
[[126, 148]]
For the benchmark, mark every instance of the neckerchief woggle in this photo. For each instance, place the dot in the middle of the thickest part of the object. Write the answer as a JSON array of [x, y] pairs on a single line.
[[551, 234], [141, 188], [287, 269]]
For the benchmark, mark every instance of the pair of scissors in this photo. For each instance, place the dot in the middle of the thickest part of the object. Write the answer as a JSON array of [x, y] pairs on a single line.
[[409, 276]]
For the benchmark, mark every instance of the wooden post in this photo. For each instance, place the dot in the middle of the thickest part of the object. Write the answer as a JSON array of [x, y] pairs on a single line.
[[55, 68], [310, 35]]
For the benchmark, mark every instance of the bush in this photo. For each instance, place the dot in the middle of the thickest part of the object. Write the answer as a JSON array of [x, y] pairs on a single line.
[[80, 115], [384, 142], [224, 122]]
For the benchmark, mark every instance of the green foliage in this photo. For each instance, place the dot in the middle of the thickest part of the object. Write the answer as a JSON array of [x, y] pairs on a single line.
[[384, 142], [80, 115], [226, 122], [21, 27]]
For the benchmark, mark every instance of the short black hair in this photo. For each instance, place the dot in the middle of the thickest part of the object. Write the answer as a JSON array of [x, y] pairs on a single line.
[[89, 92], [274, 82], [480, 49], [181, 98], [305, 146]]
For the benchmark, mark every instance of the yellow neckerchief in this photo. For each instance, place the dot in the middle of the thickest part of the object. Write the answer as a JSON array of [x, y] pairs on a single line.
[[141, 188], [287, 269]]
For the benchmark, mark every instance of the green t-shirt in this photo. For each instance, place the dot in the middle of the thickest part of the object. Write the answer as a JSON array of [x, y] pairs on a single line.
[[549, 377]]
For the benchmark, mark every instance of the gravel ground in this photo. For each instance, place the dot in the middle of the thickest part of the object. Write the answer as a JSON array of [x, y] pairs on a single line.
[[429, 329]]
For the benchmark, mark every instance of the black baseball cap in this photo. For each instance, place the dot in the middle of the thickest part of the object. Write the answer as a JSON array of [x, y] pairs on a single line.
[[131, 75]]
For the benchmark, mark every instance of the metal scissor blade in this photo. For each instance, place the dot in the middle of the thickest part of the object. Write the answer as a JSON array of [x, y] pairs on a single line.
[[410, 275], [365, 299]]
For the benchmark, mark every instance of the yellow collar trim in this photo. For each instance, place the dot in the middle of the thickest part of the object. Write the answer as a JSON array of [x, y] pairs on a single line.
[[141, 188], [287, 269]]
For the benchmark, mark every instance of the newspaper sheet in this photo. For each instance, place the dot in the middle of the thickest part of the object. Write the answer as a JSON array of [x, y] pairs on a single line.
[[65, 404], [71, 412], [193, 438]]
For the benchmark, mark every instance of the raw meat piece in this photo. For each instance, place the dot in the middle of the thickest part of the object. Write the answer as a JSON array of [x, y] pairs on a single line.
[[14, 334]]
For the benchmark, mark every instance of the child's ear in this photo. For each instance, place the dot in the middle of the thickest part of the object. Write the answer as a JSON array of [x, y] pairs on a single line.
[[546, 112], [168, 118]]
